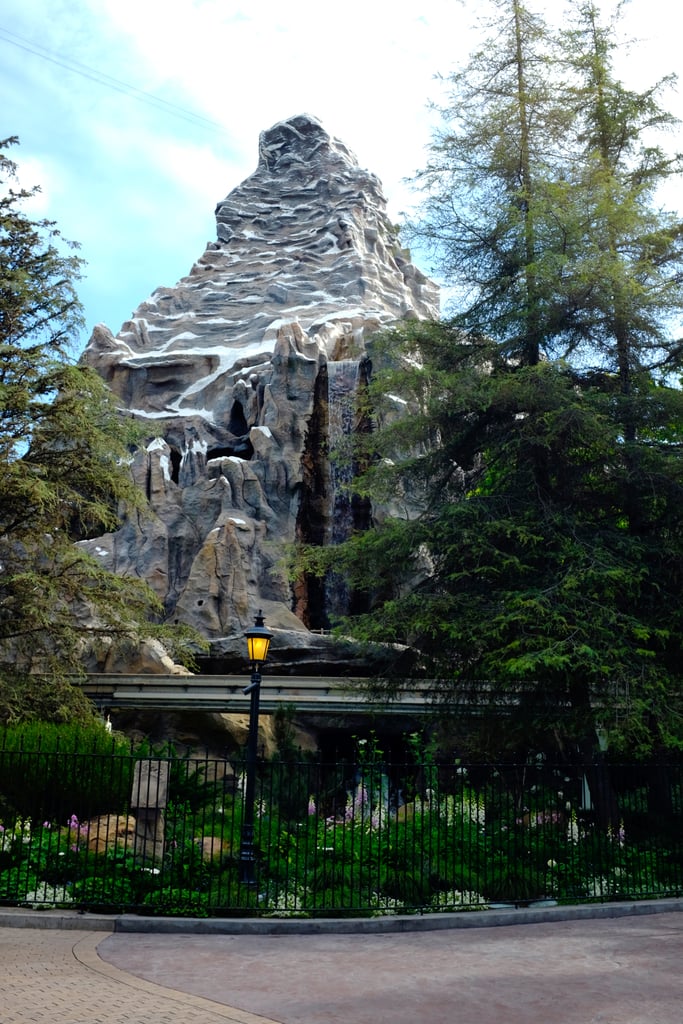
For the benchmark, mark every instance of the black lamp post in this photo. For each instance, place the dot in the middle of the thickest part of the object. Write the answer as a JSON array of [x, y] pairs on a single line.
[[258, 641]]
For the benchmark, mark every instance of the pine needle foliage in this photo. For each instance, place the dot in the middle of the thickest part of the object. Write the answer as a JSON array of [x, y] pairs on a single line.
[[63, 476], [526, 461]]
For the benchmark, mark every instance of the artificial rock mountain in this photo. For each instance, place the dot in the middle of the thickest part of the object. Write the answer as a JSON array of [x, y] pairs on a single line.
[[243, 372]]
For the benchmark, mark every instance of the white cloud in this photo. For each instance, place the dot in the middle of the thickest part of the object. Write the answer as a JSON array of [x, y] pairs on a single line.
[[31, 173], [137, 185]]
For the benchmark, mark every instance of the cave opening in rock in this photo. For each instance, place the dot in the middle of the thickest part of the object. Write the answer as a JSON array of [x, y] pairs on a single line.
[[238, 422], [241, 449], [176, 459]]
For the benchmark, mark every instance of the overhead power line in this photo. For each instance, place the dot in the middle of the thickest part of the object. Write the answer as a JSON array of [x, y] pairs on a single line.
[[107, 81]]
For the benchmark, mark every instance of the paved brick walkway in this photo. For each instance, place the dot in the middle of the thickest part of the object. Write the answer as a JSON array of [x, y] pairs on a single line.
[[56, 977], [624, 971], [627, 970]]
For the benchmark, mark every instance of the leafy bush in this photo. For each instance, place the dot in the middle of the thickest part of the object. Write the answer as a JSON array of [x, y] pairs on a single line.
[[105, 894], [369, 840], [171, 902], [47, 770]]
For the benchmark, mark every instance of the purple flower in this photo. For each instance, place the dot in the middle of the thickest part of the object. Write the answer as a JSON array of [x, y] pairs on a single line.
[[361, 797]]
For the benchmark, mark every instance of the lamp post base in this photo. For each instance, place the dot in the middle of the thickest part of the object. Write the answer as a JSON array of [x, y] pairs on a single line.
[[247, 857]]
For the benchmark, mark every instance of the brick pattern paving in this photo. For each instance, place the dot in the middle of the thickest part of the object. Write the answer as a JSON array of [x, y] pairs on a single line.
[[608, 971], [621, 971], [48, 976]]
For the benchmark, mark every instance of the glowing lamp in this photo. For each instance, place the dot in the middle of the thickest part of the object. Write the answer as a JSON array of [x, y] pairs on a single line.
[[258, 641]]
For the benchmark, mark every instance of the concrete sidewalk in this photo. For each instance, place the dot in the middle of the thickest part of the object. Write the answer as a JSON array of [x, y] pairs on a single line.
[[625, 969]]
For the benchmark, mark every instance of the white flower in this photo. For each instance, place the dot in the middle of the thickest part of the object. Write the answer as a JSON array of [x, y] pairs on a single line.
[[573, 829], [46, 896]]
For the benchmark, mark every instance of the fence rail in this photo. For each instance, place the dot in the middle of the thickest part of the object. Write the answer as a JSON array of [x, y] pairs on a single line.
[[161, 835]]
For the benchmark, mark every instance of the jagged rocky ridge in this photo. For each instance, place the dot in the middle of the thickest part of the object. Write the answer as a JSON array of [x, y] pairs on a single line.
[[242, 372]]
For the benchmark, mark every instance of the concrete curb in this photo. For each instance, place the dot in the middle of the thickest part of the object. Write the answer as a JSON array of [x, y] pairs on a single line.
[[18, 917]]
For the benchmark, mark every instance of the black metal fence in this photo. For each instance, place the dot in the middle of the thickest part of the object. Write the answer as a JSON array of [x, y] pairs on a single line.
[[161, 834]]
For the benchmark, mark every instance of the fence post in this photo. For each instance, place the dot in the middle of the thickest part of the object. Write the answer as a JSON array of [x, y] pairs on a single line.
[[148, 802]]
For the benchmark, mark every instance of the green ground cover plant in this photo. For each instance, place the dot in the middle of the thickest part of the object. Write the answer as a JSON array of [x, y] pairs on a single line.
[[360, 837]]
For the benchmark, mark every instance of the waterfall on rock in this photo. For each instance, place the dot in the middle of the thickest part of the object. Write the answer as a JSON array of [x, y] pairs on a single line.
[[342, 388], [349, 512], [341, 402]]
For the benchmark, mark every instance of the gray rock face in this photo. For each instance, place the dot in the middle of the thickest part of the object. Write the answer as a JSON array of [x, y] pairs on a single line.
[[236, 371]]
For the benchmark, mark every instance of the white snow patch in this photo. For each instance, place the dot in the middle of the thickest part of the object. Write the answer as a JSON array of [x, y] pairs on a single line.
[[170, 411], [205, 414], [146, 414], [184, 336], [346, 314], [275, 325], [158, 444], [226, 361], [197, 445], [148, 326], [266, 431]]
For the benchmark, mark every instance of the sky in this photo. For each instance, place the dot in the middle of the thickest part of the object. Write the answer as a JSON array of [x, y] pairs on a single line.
[[137, 116]]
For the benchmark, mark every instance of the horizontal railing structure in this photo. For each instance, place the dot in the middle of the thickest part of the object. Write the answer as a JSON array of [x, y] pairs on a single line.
[[319, 695], [160, 834]]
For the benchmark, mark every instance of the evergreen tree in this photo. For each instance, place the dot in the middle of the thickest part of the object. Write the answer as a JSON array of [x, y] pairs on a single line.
[[621, 278], [506, 579], [539, 549], [492, 185], [63, 476]]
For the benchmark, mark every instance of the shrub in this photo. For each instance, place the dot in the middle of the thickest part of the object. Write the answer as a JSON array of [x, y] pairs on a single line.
[[171, 902], [105, 894], [47, 770]]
